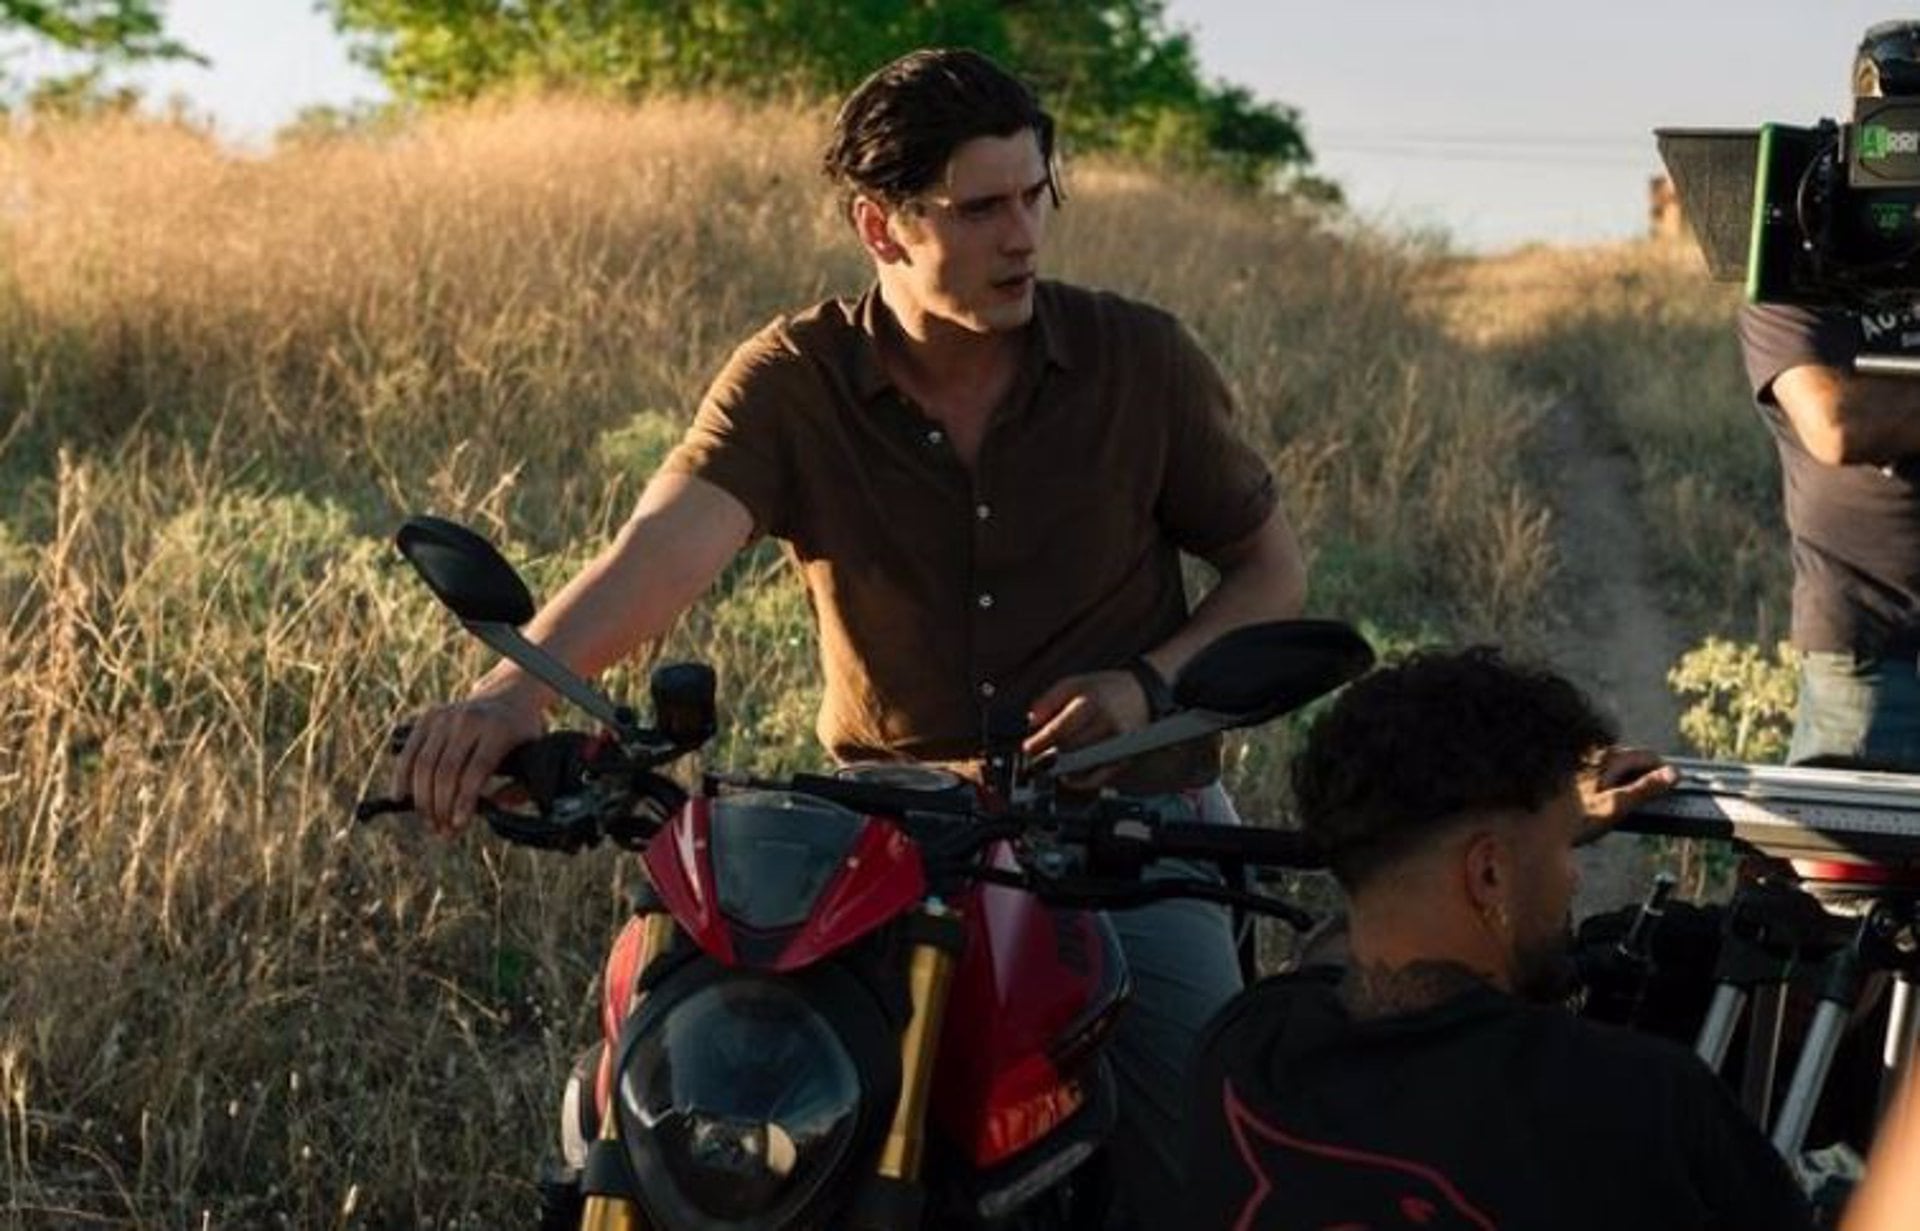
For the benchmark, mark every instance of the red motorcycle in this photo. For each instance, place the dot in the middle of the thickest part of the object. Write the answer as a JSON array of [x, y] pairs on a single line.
[[873, 999]]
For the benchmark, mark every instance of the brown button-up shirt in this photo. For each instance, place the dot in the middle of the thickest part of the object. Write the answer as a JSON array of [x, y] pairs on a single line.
[[940, 591]]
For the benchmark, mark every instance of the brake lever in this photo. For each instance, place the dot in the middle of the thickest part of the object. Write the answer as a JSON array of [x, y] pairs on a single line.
[[380, 805], [568, 837], [657, 800]]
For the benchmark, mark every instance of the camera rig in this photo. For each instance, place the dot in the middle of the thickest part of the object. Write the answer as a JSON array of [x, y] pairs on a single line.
[[1825, 216], [1822, 216], [1849, 911]]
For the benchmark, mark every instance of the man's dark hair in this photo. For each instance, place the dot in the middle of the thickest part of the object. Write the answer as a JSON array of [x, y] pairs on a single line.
[[1413, 746], [896, 131]]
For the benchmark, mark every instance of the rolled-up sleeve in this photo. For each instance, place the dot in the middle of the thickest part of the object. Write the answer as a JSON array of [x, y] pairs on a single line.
[[735, 441], [1777, 337]]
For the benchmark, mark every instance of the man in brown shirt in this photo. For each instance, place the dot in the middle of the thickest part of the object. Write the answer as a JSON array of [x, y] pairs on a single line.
[[987, 482], [946, 584]]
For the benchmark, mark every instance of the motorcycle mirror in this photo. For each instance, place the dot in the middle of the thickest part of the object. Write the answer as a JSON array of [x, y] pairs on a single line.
[[1261, 671], [465, 572], [476, 583], [1247, 677]]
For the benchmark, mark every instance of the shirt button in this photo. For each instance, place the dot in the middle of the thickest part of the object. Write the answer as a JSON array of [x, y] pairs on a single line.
[[936, 436], [982, 512], [986, 601], [986, 689]]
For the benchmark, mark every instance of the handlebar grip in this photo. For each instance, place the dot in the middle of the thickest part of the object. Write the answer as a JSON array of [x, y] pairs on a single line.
[[367, 809], [1286, 848], [548, 766]]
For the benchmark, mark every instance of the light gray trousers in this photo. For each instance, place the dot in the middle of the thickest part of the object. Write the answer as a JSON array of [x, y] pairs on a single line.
[[1182, 958]]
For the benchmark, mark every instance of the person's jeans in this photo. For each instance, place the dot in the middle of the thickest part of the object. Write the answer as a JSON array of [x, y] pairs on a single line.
[[1184, 965], [1857, 711]]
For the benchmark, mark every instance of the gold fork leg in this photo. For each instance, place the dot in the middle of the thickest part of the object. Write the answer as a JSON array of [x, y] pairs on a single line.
[[605, 1212]]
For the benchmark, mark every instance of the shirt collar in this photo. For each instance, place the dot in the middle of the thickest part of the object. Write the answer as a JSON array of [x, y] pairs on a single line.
[[870, 374]]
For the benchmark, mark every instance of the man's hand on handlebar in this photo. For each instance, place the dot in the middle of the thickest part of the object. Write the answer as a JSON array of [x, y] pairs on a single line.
[[453, 750], [1620, 780]]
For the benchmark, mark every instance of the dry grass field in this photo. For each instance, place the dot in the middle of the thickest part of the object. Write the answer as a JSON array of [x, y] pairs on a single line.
[[1644, 342], [222, 383]]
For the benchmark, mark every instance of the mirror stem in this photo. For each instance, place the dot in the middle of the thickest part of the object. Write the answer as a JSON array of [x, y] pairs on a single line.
[[1176, 728], [509, 643]]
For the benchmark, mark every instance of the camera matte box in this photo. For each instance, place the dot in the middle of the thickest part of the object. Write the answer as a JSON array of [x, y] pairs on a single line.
[[1714, 170]]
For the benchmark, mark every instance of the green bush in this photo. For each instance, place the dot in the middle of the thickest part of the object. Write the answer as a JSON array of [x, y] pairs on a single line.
[[1742, 700]]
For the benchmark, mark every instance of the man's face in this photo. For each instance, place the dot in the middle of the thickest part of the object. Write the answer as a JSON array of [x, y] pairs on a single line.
[[970, 243], [1542, 903]]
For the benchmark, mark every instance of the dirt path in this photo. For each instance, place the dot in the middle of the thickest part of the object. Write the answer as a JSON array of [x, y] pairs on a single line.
[[1619, 641]]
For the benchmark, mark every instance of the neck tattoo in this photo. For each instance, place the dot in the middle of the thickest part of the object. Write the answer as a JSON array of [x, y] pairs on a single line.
[[1374, 990]]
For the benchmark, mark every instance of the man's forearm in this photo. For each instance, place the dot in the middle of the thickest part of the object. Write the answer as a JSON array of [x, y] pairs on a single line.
[[1882, 414], [1847, 419], [679, 538], [603, 614], [1262, 578]]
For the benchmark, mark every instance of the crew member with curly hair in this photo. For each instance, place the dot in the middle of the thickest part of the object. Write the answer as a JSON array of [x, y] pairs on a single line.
[[1436, 1081]]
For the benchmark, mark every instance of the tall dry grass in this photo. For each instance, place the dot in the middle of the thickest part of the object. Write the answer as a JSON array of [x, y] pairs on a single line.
[[1640, 336], [222, 382]]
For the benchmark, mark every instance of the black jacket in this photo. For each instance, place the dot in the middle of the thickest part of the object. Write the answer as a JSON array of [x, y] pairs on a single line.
[[1483, 1112]]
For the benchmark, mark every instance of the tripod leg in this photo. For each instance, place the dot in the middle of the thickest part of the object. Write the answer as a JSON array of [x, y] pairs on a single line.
[[1763, 1050], [1840, 983], [1809, 1078], [1903, 1038], [1717, 1031]]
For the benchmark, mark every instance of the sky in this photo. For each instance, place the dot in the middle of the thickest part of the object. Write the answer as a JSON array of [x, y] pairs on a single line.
[[1504, 121], [1499, 122]]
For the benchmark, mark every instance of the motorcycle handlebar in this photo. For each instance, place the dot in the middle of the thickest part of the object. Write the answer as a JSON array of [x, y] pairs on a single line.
[[1254, 844], [550, 766], [1094, 893], [546, 767], [552, 773], [1231, 844]]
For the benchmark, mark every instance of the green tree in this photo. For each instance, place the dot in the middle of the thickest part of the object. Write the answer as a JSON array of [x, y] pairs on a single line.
[[438, 50], [110, 29], [1113, 70], [102, 32], [1123, 80]]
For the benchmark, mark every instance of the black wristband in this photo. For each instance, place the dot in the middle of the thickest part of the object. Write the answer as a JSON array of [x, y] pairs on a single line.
[[1153, 686]]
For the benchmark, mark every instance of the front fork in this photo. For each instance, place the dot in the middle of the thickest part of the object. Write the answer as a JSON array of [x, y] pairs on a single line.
[[609, 1206], [894, 1200]]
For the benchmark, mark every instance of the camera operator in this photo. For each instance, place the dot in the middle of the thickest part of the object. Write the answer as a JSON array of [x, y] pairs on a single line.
[[1437, 1082], [1849, 449]]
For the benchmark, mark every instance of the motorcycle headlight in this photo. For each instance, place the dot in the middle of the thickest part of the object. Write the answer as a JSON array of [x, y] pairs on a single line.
[[742, 1102]]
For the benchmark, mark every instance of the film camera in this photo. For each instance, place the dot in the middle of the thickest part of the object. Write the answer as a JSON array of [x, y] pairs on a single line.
[[1827, 215]]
